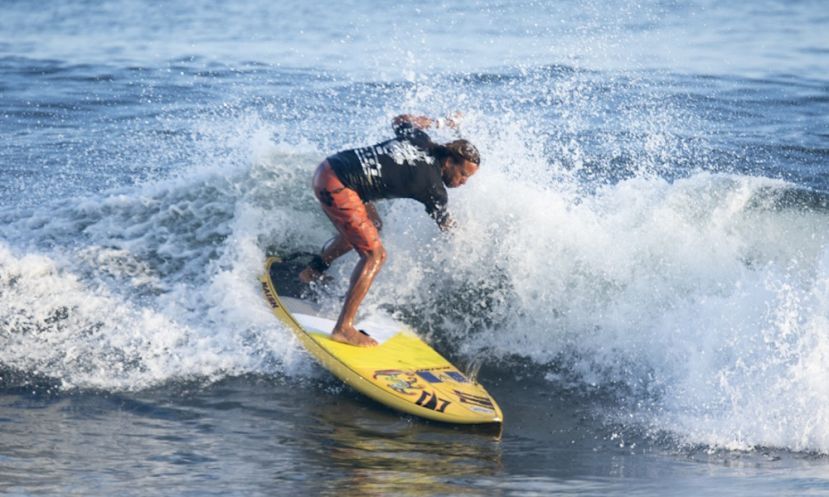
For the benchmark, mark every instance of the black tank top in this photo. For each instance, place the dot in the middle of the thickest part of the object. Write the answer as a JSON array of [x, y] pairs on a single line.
[[403, 167]]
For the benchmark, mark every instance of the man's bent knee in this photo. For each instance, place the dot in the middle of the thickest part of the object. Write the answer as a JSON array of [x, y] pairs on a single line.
[[375, 255]]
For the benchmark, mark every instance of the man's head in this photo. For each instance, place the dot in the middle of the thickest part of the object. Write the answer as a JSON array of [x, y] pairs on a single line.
[[460, 163]]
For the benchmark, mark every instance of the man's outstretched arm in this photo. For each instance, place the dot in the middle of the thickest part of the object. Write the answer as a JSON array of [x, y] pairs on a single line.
[[424, 122]]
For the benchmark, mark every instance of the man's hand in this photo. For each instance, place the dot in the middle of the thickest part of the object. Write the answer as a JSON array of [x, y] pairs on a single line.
[[447, 224], [454, 120]]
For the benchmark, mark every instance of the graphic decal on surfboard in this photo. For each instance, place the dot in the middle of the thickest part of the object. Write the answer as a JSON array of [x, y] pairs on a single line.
[[403, 382]]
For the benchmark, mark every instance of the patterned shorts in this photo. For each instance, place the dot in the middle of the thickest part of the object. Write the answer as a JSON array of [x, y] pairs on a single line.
[[346, 210]]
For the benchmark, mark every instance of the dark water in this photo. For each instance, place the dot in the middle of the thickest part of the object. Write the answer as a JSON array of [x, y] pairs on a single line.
[[641, 271], [255, 435]]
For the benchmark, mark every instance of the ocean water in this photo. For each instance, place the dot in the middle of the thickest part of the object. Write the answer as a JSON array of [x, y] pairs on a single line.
[[640, 275]]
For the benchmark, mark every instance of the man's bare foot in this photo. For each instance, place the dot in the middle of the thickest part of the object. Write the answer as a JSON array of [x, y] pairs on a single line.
[[352, 336]]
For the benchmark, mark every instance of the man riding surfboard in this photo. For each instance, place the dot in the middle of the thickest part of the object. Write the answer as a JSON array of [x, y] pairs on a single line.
[[410, 165]]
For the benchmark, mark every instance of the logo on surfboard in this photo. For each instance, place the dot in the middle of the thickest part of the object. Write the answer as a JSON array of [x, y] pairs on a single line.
[[404, 382], [269, 295]]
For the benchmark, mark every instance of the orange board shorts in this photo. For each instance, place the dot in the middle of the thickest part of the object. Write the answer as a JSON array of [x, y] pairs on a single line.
[[346, 210]]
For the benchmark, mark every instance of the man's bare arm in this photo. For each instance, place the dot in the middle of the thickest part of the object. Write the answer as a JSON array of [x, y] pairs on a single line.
[[424, 122]]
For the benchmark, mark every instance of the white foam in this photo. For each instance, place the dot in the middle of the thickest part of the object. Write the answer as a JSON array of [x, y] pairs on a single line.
[[157, 282], [708, 305]]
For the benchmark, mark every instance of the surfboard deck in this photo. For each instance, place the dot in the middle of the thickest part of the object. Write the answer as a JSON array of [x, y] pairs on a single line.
[[402, 372]]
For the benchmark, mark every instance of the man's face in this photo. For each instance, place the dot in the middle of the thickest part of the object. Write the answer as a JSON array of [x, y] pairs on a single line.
[[458, 174]]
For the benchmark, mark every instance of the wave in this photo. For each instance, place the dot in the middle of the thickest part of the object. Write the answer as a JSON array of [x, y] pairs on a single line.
[[703, 299], [696, 297], [146, 284]]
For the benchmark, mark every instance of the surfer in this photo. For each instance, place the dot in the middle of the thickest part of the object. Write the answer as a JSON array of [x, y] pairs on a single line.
[[410, 165]]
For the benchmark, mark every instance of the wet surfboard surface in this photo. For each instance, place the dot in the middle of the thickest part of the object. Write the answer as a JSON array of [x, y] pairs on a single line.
[[403, 372]]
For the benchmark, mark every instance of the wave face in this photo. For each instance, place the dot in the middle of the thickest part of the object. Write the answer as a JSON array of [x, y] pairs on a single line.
[[651, 236]]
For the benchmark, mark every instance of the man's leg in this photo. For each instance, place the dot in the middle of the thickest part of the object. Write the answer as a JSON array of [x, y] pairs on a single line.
[[358, 225], [331, 250], [336, 248], [361, 279]]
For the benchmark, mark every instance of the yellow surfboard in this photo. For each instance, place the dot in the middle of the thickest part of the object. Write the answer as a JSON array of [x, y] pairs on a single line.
[[402, 372]]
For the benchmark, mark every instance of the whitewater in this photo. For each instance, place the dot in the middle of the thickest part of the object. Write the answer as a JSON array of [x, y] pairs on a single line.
[[641, 268]]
